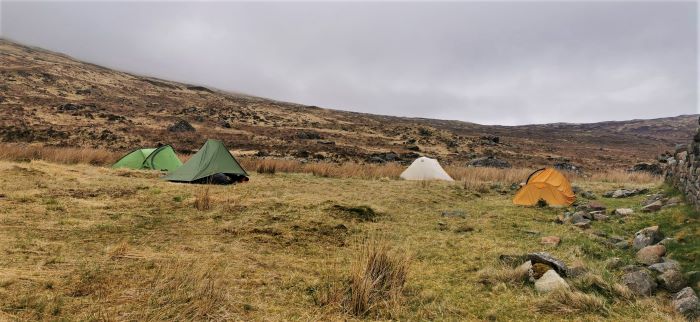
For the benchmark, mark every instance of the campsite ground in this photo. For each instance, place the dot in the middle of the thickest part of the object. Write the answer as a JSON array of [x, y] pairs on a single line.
[[84, 242]]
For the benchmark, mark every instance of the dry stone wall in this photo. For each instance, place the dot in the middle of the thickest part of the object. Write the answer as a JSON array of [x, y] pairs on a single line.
[[683, 170]]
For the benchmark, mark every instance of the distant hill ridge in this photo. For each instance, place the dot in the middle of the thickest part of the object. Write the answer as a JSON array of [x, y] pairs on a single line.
[[54, 99]]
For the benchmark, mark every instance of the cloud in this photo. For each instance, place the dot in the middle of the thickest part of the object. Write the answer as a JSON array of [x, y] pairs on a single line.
[[495, 63]]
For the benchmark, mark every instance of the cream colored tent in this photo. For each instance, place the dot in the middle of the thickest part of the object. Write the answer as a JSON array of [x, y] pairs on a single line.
[[425, 169]]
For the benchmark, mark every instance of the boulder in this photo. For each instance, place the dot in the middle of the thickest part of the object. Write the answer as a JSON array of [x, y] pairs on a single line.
[[666, 265], [653, 168], [624, 211], [672, 280], [548, 259], [181, 126], [653, 207], [585, 224], [594, 205], [651, 254], [640, 282], [647, 236], [550, 240], [490, 162], [686, 302], [550, 281], [578, 217]]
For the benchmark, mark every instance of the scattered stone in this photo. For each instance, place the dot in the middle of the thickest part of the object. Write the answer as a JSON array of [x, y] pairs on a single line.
[[672, 280], [181, 126], [442, 225], [566, 166], [686, 302], [588, 195], [595, 205], [647, 236], [640, 282], [600, 217], [577, 217], [550, 240], [624, 193], [666, 241], [550, 281], [651, 254], [653, 207], [546, 258], [585, 224], [624, 211], [666, 265], [614, 263], [490, 162], [653, 168]]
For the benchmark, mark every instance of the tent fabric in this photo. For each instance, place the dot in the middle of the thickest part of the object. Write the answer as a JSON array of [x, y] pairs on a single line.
[[425, 169], [547, 184], [162, 158], [211, 159]]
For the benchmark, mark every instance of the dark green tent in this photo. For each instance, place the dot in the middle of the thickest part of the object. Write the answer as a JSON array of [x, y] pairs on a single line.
[[162, 158], [211, 159]]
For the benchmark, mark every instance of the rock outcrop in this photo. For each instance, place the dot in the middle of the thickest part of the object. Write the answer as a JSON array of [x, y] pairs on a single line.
[[682, 171]]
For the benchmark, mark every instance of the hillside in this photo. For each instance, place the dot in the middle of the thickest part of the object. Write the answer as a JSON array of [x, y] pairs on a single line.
[[56, 100]]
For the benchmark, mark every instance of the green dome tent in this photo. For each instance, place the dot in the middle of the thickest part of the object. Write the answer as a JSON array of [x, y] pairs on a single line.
[[162, 158], [211, 159]]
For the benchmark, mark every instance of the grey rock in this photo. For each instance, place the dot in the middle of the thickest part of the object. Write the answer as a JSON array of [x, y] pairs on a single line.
[[653, 207], [665, 266], [686, 302], [490, 162], [548, 259], [550, 281], [640, 282], [624, 211], [585, 224], [672, 280], [647, 236], [651, 254], [600, 217]]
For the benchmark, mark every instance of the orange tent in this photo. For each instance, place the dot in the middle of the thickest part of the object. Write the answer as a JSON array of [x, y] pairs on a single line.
[[546, 184]]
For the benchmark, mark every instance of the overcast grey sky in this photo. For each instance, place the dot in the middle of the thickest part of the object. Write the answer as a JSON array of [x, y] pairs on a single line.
[[493, 63]]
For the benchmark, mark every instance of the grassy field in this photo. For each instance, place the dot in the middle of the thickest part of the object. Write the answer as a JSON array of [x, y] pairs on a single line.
[[82, 242]]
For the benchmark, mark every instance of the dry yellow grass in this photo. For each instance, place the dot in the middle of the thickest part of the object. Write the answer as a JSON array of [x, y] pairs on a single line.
[[97, 243], [471, 177], [26, 152]]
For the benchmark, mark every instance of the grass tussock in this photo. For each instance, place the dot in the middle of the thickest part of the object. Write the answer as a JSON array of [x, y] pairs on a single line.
[[491, 276], [566, 302], [377, 280], [360, 213], [185, 291], [27, 152], [374, 287], [202, 201]]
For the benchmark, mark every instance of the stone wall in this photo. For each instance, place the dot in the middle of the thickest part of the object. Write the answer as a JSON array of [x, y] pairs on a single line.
[[683, 170]]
